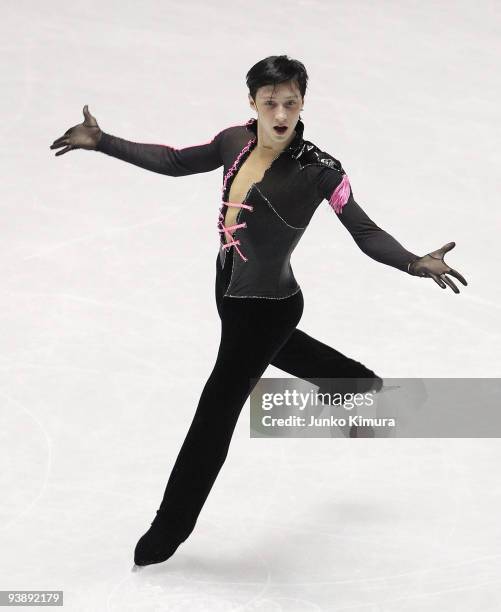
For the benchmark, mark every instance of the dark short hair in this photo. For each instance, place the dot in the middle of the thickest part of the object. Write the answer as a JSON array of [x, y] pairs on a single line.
[[276, 69]]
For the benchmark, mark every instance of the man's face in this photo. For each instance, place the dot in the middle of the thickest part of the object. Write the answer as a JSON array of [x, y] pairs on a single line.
[[278, 105]]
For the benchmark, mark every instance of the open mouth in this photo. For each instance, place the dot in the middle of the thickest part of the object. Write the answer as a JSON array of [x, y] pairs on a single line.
[[280, 129]]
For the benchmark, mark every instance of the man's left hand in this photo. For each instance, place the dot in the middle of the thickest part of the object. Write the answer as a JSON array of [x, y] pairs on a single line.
[[433, 266]]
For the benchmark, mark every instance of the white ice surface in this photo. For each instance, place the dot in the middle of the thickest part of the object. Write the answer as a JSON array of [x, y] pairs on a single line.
[[109, 327]]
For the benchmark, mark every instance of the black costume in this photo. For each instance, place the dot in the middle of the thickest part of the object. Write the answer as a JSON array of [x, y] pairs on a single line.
[[261, 330], [276, 211]]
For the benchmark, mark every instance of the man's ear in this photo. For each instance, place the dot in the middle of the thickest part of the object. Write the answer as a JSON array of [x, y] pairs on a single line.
[[252, 104]]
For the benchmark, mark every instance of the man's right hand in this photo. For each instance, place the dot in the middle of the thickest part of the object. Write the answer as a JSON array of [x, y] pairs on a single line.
[[85, 135]]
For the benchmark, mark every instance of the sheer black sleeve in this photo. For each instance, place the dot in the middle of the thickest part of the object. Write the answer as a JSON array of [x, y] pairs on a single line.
[[165, 159], [375, 242]]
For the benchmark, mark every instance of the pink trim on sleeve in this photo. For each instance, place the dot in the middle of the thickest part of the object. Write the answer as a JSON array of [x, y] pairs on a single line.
[[340, 195]]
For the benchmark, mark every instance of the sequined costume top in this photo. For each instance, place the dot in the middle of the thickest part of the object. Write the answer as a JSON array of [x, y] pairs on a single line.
[[275, 211]]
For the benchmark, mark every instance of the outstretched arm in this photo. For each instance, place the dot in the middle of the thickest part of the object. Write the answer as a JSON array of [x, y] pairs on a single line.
[[163, 158], [155, 157], [335, 186], [375, 242]]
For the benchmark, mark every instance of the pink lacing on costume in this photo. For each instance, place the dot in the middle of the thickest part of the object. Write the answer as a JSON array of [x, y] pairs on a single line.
[[228, 229], [239, 205], [340, 195], [220, 224]]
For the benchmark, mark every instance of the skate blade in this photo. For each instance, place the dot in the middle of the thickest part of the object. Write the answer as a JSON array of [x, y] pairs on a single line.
[[388, 388]]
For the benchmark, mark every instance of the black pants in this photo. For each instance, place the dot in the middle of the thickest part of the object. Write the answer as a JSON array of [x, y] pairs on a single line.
[[254, 333]]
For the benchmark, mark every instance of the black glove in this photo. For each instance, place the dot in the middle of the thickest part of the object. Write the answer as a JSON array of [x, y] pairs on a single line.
[[433, 266], [85, 135]]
